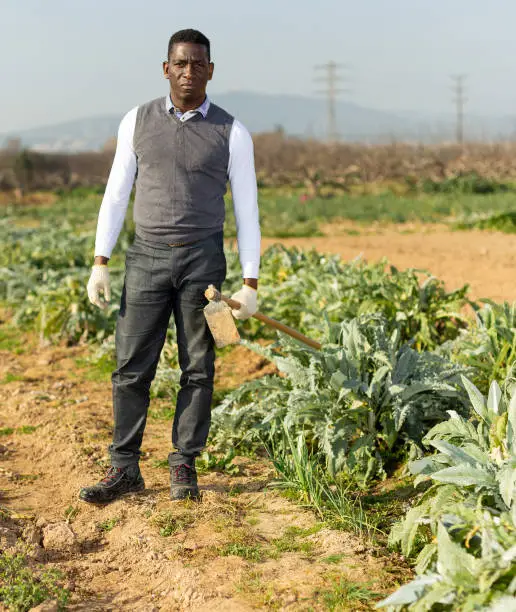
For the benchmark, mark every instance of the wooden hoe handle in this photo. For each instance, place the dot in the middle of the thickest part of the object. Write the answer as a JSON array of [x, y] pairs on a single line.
[[212, 294]]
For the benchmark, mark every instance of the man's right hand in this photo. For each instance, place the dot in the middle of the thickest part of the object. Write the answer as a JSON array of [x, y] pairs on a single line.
[[99, 282]]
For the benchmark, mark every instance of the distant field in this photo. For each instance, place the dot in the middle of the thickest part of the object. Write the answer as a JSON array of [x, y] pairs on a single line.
[[285, 214]]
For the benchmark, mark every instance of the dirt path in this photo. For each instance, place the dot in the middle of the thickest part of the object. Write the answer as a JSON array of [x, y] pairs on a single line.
[[243, 548], [485, 260]]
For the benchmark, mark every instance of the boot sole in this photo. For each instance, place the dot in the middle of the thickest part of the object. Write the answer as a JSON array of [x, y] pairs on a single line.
[[194, 497], [110, 501]]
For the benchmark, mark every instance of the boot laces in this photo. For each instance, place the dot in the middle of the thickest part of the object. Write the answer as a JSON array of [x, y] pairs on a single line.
[[183, 473], [113, 472]]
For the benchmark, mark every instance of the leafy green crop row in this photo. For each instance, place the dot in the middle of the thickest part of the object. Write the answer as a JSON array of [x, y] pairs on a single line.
[[43, 274], [358, 401], [488, 346], [468, 515]]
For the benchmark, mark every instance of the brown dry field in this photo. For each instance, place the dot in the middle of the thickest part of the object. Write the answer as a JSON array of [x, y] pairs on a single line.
[[484, 260]]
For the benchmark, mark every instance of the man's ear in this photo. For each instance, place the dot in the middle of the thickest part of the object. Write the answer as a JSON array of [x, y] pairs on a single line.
[[210, 71], [165, 69]]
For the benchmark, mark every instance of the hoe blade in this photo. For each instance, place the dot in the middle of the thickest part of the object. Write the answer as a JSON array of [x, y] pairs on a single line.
[[221, 323]]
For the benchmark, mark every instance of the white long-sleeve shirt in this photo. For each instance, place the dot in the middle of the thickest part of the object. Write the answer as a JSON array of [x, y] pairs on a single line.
[[241, 175]]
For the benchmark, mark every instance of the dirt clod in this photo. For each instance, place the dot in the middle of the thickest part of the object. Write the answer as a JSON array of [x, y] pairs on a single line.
[[41, 522], [59, 537], [8, 539], [32, 534]]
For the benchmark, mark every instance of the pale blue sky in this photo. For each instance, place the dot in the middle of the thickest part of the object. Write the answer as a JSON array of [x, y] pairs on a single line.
[[66, 59]]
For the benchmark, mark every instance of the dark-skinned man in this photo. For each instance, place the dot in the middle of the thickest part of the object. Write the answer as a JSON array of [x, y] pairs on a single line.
[[181, 149]]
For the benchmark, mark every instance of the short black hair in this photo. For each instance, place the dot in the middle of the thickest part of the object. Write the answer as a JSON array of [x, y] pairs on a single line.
[[188, 36]]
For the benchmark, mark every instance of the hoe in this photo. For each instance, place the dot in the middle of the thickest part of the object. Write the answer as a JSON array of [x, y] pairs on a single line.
[[222, 324]]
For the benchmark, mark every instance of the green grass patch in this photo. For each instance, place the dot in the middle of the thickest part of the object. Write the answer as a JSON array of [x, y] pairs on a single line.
[[261, 594], [160, 463], [235, 490], [250, 582], [170, 523], [97, 370], [71, 513], [249, 552], [303, 480], [23, 429], [10, 377], [108, 524], [499, 222], [29, 477], [11, 340], [333, 559], [342, 594], [26, 429], [243, 543], [292, 540], [22, 588], [162, 412]]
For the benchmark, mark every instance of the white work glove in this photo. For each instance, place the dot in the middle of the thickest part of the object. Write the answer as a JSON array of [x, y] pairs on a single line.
[[99, 281], [247, 296]]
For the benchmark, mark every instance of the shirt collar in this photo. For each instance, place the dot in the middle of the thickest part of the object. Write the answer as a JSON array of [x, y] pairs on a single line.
[[203, 109]]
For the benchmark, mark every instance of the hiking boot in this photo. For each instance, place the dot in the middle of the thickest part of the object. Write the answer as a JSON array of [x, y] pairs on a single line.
[[116, 483], [183, 482]]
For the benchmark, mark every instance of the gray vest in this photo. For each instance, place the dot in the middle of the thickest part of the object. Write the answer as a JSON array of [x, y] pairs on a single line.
[[182, 173]]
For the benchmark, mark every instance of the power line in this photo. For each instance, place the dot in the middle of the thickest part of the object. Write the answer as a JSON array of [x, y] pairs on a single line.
[[460, 102], [331, 78]]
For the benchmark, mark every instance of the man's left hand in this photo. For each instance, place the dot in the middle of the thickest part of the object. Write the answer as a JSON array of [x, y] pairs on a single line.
[[248, 297]]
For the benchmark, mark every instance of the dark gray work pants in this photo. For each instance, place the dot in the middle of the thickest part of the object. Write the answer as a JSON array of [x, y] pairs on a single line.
[[159, 281]]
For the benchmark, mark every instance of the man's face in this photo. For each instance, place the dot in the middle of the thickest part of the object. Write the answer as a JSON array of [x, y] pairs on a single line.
[[188, 70]]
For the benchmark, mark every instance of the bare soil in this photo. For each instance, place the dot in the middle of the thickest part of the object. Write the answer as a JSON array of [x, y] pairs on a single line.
[[235, 550], [484, 260]]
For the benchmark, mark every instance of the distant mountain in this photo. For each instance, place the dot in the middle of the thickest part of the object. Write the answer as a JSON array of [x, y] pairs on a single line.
[[307, 117], [296, 115], [77, 135]]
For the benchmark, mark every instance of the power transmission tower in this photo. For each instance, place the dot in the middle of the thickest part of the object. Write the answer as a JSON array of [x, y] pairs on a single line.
[[460, 102], [332, 78]]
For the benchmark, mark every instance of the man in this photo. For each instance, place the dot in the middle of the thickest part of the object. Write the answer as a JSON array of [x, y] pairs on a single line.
[[182, 149]]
